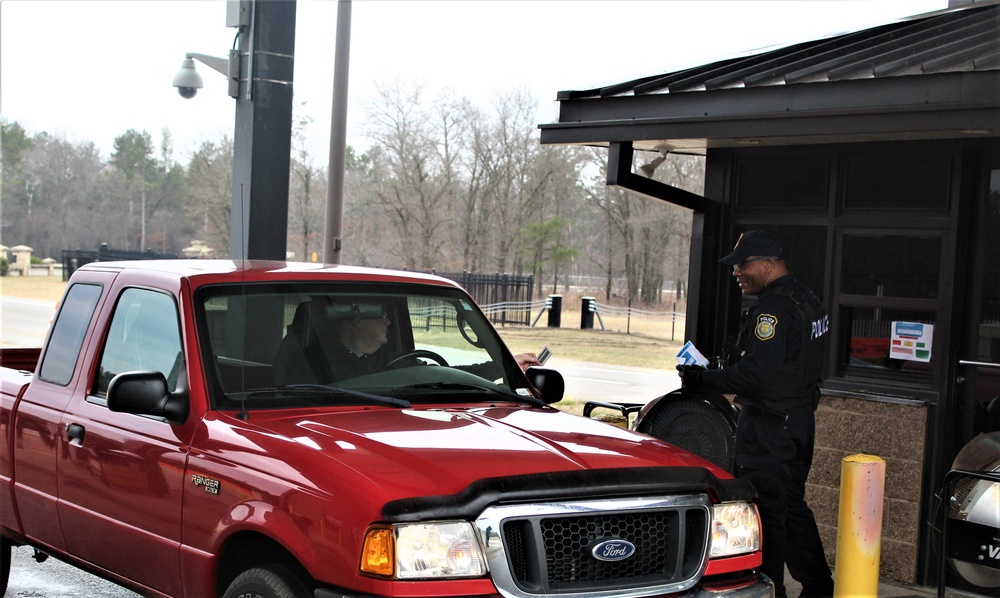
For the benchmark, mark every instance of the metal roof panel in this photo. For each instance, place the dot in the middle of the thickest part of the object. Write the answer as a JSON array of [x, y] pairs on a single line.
[[962, 38]]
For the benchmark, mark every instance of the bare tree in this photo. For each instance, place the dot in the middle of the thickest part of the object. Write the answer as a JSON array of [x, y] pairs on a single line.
[[366, 242], [133, 158], [16, 185], [445, 185], [415, 165], [65, 182], [460, 186], [306, 194], [477, 186], [519, 177], [562, 198], [210, 184], [161, 196], [649, 231], [685, 172]]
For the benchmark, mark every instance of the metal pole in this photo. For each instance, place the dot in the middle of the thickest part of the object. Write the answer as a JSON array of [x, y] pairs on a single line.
[[859, 526], [628, 320], [673, 322], [263, 133], [338, 137]]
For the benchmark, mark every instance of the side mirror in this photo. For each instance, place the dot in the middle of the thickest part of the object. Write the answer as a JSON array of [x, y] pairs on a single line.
[[146, 393], [549, 384]]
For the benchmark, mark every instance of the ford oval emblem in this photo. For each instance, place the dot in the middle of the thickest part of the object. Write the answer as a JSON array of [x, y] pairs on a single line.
[[613, 550]]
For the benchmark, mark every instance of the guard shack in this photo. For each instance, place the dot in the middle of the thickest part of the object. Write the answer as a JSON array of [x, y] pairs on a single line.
[[874, 157]]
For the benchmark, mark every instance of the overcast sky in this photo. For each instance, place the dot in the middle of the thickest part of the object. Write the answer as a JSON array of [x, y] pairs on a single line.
[[90, 70]]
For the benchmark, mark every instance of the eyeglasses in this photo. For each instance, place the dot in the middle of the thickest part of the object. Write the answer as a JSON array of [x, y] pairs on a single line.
[[356, 311], [742, 265], [370, 311]]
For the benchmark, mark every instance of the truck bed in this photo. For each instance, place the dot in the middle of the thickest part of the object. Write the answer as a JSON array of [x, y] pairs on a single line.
[[20, 359]]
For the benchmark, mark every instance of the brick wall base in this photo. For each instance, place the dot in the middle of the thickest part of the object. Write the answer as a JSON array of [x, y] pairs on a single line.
[[895, 432]]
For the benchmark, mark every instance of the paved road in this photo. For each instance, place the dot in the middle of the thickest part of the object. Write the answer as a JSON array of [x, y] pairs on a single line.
[[614, 383], [55, 579], [24, 322]]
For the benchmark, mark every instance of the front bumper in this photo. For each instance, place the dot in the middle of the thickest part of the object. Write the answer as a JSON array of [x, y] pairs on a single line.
[[752, 585]]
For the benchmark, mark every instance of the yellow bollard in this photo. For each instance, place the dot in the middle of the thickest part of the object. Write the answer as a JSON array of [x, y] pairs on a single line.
[[859, 526]]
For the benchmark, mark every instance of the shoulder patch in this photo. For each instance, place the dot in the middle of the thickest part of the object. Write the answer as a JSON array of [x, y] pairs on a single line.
[[765, 328]]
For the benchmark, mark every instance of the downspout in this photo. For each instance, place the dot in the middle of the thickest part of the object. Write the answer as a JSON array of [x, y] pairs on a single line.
[[702, 288], [620, 175]]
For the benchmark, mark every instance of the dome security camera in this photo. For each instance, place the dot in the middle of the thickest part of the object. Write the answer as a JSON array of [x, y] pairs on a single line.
[[187, 80]]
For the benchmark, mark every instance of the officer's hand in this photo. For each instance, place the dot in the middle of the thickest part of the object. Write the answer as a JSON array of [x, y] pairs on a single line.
[[690, 376]]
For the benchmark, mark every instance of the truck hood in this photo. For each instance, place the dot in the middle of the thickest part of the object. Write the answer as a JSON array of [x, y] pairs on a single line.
[[425, 451]]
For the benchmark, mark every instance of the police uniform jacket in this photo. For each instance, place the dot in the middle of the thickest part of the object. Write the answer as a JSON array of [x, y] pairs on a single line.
[[771, 370], [777, 385]]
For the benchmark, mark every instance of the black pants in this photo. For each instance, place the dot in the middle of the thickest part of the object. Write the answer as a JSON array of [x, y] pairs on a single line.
[[775, 456]]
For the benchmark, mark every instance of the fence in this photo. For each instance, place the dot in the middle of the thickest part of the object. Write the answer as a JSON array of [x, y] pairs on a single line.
[[675, 320], [507, 296], [74, 258], [665, 324]]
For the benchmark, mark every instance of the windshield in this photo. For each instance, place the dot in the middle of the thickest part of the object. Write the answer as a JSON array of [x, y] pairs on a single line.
[[298, 345]]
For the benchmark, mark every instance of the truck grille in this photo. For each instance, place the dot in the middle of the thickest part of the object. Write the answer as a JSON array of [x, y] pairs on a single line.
[[549, 549]]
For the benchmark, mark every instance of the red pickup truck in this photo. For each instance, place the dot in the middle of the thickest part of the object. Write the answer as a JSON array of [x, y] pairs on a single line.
[[191, 428]]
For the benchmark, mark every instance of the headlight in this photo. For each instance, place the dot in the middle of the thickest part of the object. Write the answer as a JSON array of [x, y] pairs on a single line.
[[735, 529], [423, 551]]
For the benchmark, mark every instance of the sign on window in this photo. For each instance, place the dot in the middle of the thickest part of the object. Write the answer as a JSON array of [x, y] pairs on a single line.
[[911, 341]]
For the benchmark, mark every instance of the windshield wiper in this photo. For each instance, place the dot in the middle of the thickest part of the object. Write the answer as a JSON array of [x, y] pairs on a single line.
[[314, 391], [467, 386]]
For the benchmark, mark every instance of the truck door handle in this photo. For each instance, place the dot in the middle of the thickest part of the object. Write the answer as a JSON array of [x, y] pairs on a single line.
[[75, 432]]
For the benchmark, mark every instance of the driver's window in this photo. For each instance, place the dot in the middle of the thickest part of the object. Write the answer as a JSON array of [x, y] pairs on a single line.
[[144, 336]]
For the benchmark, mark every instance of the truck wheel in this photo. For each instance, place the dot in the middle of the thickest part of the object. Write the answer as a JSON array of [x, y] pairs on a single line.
[[5, 546], [270, 581]]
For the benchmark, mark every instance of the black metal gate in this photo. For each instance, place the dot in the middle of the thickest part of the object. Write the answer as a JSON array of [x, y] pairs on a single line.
[[74, 258], [505, 298]]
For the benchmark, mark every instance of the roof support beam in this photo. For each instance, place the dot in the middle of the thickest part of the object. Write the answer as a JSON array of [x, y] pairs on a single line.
[[620, 175]]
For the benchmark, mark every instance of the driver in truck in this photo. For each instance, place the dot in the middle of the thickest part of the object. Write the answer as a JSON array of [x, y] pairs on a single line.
[[357, 333], [338, 339], [332, 340]]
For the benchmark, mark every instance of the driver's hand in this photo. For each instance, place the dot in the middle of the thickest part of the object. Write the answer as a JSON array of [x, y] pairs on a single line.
[[526, 360]]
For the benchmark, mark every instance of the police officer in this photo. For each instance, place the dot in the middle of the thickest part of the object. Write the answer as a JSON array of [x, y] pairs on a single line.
[[775, 378]]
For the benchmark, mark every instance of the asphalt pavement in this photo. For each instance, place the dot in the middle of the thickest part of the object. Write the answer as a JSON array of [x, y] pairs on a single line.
[[55, 579], [23, 322], [587, 381], [886, 589]]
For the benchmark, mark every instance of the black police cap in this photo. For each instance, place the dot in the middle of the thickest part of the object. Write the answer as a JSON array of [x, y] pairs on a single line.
[[750, 243]]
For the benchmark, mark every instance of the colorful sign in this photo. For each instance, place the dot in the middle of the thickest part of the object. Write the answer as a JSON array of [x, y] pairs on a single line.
[[911, 341]]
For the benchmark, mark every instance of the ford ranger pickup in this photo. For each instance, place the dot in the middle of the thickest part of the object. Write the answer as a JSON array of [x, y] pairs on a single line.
[[196, 428]]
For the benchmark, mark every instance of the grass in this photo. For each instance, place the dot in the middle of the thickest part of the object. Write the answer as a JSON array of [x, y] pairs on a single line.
[[610, 347], [46, 288]]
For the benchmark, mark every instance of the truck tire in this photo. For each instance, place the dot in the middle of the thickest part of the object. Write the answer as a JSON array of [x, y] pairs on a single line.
[[269, 581], [5, 546]]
